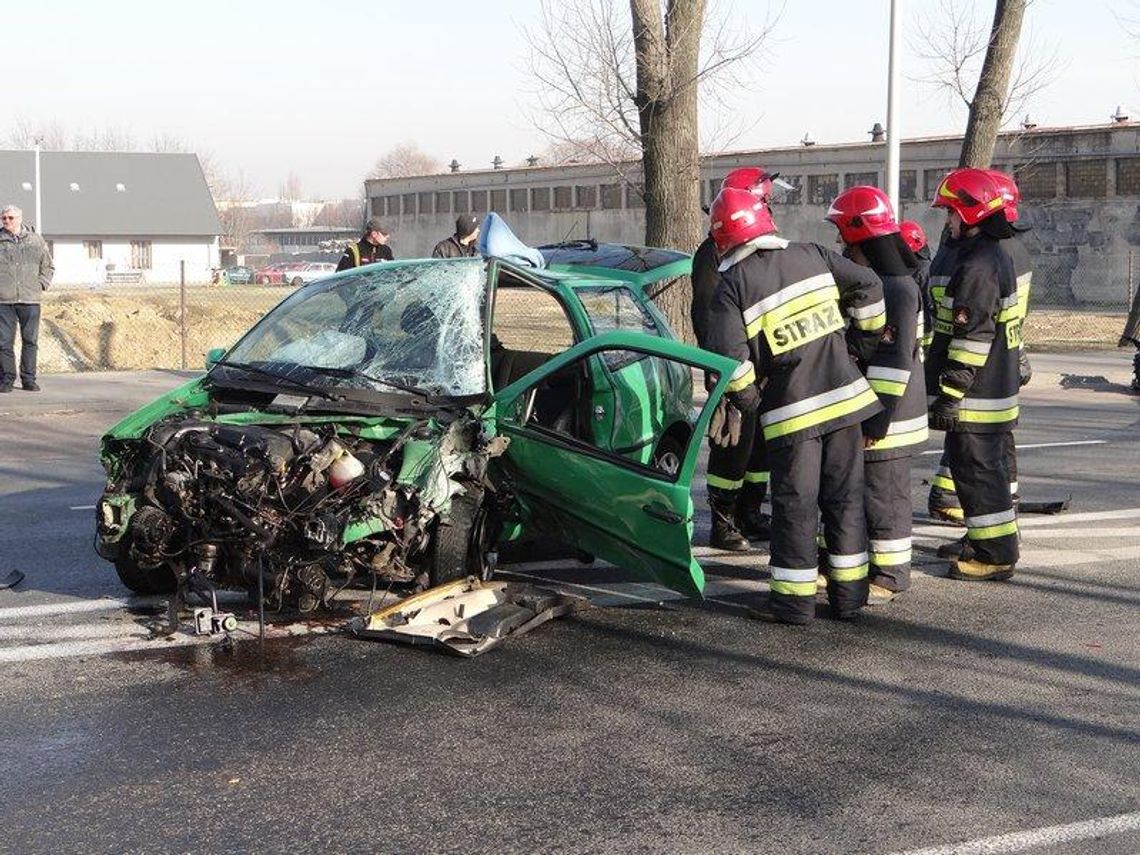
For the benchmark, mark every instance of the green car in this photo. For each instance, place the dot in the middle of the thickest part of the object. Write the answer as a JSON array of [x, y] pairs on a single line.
[[393, 425]]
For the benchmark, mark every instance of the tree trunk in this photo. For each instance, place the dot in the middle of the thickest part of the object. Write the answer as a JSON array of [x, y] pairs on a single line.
[[993, 85], [667, 51]]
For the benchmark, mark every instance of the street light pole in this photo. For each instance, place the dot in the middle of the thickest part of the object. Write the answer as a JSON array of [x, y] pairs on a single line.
[[894, 131], [39, 192]]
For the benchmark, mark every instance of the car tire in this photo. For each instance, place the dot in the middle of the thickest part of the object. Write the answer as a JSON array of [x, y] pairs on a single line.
[[297, 282], [143, 580], [461, 547], [668, 455]]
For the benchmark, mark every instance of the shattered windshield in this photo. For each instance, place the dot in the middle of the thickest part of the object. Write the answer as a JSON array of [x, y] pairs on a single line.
[[382, 327]]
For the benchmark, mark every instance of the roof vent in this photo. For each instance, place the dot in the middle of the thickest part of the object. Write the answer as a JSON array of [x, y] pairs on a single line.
[[121, 187], [1027, 124], [497, 163], [1120, 116], [878, 134], [74, 187], [532, 160], [27, 185], [454, 165], [807, 140]]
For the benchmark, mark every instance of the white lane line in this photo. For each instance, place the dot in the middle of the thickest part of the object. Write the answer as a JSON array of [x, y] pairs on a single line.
[[1038, 445], [82, 507], [1089, 516], [247, 631], [100, 605], [46, 632], [1053, 835]]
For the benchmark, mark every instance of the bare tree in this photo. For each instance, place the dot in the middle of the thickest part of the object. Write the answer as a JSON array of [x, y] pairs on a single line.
[[405, 160], [989, 72], [343, 212], [25, 134], [290, 189], [625, 91], [234, 199]]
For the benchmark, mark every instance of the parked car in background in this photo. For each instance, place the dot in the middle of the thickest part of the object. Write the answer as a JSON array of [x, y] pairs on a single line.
[[238, 275], [309, 272], [272, 274]]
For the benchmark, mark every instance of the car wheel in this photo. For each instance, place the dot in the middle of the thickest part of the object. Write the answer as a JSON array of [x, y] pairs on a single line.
[[462, 546], [144, 580], [297, 282], [669, 454]]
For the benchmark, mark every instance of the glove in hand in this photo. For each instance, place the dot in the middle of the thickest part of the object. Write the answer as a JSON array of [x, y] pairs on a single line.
[[1024, 369], [943, 414], [724, 429], [747, 400]]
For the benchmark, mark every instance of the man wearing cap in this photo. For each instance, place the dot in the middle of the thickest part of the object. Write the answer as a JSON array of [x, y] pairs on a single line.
[[371, 248], [462, 243]]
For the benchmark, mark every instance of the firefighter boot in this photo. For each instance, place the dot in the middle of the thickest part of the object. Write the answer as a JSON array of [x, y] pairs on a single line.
[[725, 535], [946, 514], [878, 595], [975, 571], [958, 550], [1136, 372]]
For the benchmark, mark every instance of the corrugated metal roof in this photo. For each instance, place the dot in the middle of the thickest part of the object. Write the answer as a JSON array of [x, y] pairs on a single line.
[[161, 194]]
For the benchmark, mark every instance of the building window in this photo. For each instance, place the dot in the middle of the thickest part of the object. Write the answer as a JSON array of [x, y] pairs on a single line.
[[611, 196], [586, 196], [563, 197], [519, 200], [499, 200], [443, 203], [931, 178], [1086, 179], [392, 206], [409, 206], [426, 202], [140, 255], [540, 199], [822, 188], [94, 248], [1036, 180], [376, 206], [713, 189], [789, 197], [459, 202], [860, 179], [479, 201], [908, 184], [1128, 176], [634, 197]]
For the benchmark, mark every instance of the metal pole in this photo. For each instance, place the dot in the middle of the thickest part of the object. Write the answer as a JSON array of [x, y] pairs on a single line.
[[39, 193], [894, 131], [182, 308]]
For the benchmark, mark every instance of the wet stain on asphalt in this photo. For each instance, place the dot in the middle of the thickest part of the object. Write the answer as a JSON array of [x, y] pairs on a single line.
[[278, 658]]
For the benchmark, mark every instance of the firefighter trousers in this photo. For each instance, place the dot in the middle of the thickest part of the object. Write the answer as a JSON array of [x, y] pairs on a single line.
[[943, 493], [823, 474], [888, 509], [741, 466], [978, 465]]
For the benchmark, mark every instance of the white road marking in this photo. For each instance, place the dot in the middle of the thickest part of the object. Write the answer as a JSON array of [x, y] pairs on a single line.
[[100, 605], [82, 507], [1089, 516], [50, 632], [1053, 835], [1070, 444]]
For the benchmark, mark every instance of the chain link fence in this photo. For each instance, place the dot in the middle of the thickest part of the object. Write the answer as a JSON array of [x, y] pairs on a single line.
[[1077, 301]]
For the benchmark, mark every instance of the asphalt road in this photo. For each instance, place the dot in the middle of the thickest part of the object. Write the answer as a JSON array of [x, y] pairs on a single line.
[[959, 713]]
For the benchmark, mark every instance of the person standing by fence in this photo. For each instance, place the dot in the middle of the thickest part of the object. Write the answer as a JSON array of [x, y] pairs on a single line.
[[25, 273]]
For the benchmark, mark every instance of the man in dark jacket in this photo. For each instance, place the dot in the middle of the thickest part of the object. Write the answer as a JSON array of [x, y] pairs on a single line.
[[371, 248], [801, 320], [462, 243], [25, 273]]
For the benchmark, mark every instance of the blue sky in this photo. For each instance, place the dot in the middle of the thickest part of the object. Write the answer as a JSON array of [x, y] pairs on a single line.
[[322, 89]]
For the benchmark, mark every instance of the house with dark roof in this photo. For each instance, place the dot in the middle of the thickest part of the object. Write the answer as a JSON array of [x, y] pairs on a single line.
[[129, 216]]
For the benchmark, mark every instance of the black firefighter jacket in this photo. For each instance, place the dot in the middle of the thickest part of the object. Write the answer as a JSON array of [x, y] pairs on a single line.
[[801, 320], [977, 337]]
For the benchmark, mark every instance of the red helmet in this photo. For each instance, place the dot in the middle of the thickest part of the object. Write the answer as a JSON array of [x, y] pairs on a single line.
[[862, 213], [913, 234], [751, 178], [737, 216], [1008, 189], [970, 192]]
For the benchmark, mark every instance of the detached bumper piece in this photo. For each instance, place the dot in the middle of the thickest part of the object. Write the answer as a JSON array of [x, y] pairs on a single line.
[[467, 617]]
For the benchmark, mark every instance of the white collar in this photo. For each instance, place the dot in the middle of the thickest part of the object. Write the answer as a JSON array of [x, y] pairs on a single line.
[[746, 249]]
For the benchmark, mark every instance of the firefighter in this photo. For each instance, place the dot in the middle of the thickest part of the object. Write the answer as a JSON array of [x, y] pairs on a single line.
[[737, 474], [915, 239], [943, 500], [800, 319], [972, 371], [871, 236], [1131, 335]]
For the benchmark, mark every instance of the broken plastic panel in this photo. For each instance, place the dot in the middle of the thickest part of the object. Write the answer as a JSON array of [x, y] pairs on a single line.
[[416, 324]]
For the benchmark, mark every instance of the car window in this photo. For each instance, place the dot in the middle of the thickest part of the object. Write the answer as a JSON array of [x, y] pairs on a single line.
[[530, 326], [613, 309]]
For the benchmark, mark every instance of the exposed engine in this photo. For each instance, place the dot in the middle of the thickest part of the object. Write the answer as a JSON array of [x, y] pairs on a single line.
[[227, 504]]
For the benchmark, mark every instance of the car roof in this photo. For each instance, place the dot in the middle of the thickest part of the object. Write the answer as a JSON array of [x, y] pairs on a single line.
[[637, 265]]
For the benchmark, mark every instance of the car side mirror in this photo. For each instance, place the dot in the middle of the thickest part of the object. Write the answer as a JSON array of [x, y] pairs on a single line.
[[214, 355]]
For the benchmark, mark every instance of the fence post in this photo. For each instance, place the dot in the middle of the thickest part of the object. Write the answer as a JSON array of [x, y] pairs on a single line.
[[1131, 279], [182, 308]]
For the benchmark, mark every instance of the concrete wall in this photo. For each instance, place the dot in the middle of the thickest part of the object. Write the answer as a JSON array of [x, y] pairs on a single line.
[[73, 267]]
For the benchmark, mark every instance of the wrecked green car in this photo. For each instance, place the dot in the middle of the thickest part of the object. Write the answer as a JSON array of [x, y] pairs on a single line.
[[393, 425]]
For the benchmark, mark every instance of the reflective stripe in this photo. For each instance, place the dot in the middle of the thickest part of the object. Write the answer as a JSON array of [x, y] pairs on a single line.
[[1013, 485], [989, 403], [723, 483], [906, 426], [771, 319], [888, 387], [890, 553], [854, 559], [818, 409], [951, 392], [756, 477], [882, 372], [969, 352], [743, 377], [989, 410], [793, 589], [993, 531], [867, 312], [791, 574], [943, 483], [991, 519], [848, 574], [796, 289], [901, 440], [896, 545], [870, 324]]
